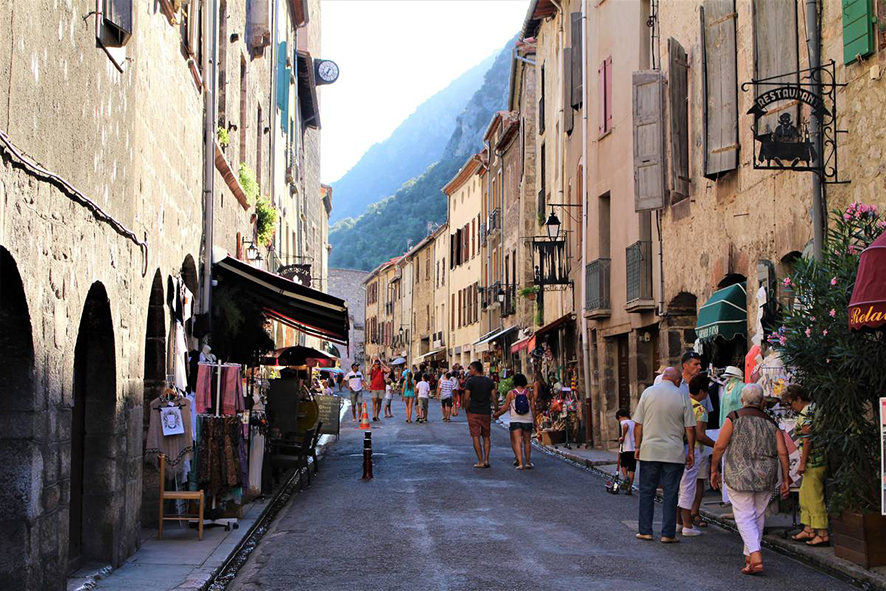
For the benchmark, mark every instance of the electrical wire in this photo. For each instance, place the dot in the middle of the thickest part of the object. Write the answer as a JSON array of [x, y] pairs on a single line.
[[17, 158]]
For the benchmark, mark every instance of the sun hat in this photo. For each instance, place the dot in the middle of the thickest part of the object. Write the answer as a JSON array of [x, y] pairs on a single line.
[[733, 372]]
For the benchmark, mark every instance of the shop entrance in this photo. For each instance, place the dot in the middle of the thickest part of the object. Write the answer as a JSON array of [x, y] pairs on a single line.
[[19, 454], [155, 379], [624, 382], [93, 425]]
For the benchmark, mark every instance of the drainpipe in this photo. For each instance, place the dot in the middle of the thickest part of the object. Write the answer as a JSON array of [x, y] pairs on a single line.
[[584, 235], [210, 69], [273, 141], [561, 120], [818, 207]]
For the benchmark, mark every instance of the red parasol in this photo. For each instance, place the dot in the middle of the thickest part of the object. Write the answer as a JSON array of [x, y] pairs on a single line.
[[867, 307]]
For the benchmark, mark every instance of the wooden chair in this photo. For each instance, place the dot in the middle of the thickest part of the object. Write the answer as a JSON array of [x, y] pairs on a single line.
[[188, 495], [293, 452]]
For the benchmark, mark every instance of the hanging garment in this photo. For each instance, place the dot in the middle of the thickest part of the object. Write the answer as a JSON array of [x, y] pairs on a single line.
[[177, 448], [219, 454], [187, 303], [256, 459], [232, 390], [203, 398], [180, 362]]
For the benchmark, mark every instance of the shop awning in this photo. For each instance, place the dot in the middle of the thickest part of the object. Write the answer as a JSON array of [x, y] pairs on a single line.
[[299, 355], [528, 342], [307, 310], [724, 315], [430, 354], [491, 336], [556, 323], [867, 307]]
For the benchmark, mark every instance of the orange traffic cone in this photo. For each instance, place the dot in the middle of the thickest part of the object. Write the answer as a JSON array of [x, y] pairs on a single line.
[[364, 420]]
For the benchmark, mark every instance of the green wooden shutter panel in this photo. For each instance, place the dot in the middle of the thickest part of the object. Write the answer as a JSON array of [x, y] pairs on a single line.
[[858, 29]]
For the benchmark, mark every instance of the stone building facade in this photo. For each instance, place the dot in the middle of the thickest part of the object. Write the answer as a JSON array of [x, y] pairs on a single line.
[[348, 284]]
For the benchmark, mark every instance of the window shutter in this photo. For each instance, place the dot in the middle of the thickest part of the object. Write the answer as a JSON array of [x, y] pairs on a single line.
[[608, 72], [283, 86], [118, 19], [577, 53], [648, 116], [601, 98], [775, 55], [858, 29], [720, 87], [568, 116], [193, 32], [678, 99]]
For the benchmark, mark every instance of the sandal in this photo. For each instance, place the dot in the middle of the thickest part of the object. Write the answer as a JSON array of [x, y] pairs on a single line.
[[521, 467], [803, 536], [752, 569], [697, 521], [825, 541], [530, 466], [479, 465]]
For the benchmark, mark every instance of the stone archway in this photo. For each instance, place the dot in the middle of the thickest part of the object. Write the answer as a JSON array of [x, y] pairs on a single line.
[[21, 459], [189, 274], [154, 382], [95, 441]]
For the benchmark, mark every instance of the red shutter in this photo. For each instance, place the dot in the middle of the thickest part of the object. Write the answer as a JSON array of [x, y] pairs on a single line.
[[608, 64]]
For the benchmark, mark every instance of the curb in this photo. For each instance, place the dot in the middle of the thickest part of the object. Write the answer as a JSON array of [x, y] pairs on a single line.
[[848, 572], [223, 575]]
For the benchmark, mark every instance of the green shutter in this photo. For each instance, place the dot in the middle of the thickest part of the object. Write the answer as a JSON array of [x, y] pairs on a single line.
[[283, 74], [858, 29]]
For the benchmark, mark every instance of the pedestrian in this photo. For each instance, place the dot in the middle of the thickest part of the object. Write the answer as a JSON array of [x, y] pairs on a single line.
[[662, 416], [626, 443], [457, 398], [408, 393], [377, 385], [445, 388], [478, 402], [519, 402], [328, 390], [423, 390], [389, 397], [813, 467], [462, 381], [692, 483], [339, 382], [355, 385], [753, 447]]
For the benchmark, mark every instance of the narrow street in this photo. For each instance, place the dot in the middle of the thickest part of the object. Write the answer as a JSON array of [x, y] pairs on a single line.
[[428, 520]]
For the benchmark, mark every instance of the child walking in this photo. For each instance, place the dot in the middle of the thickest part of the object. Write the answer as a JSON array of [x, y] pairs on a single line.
[[424, 390], [628, 461], [389, 396]]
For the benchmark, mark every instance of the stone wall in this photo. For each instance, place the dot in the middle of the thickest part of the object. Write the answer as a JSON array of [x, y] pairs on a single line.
[[347, 284]]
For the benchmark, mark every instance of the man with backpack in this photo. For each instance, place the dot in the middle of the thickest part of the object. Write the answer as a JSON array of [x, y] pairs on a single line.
[[479, 399], [520, 402]]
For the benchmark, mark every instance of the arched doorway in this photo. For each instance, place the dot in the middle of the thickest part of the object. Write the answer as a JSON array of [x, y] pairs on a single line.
[[189, 274], [154, 382], [92, 515], [21, 461]]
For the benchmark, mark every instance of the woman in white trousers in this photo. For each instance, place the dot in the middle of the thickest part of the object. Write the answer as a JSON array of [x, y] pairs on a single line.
[[754, 447]]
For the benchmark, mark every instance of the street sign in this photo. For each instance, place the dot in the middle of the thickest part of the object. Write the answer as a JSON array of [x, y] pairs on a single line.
[[330, 413]]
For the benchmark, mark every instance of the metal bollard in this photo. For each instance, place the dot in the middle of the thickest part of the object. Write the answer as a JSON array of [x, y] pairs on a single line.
[[367, 455]]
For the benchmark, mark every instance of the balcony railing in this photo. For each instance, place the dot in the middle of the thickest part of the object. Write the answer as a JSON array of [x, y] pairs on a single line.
[[482, 233], [638, 277], [494, 220], [597, 276], [510, 304]]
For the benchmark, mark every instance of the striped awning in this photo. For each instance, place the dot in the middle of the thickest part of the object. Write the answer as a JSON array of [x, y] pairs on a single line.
[[307, 310], [528, 342], [724, 315]]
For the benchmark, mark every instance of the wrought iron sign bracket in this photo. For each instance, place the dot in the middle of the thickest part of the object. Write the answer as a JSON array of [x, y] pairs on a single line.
[[790, 146]]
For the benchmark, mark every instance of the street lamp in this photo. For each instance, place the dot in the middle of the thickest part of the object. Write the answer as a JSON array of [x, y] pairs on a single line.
[[500, 295], [553, 226], [252, 253]]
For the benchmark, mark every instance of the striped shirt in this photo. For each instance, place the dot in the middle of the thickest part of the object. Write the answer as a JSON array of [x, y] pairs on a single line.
[[446, 387]]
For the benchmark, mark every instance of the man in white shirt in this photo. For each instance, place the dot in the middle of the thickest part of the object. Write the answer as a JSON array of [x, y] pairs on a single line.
[[663, 414], [445, 388], [354, 379], [423, 389]]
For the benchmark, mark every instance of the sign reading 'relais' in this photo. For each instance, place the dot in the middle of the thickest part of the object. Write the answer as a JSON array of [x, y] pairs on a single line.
[[871, 316]]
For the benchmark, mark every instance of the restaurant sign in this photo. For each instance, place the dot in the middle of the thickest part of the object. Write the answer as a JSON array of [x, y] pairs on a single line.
[[867, 315]]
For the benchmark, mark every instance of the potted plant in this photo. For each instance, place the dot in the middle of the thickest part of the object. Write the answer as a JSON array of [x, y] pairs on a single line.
[[247, 179], [265, 220], [224, 140], [530, 293], [843, 371]]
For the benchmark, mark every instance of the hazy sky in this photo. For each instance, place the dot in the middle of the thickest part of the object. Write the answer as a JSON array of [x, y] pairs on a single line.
[[394, 54]]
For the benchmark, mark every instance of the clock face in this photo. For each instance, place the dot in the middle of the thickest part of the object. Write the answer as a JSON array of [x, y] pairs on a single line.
[[328, 71]]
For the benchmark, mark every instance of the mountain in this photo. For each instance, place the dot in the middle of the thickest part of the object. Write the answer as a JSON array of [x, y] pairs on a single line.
[[416, 143], [391, 225]]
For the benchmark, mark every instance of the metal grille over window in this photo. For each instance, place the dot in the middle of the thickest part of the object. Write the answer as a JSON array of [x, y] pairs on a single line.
[[598, 285], [638, 257]]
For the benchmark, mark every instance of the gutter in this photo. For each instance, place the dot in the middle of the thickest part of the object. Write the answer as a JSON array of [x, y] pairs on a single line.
[[210, 70], [584, 235]]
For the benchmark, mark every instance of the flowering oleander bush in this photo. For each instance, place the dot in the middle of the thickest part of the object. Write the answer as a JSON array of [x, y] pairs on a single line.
[[845, 372]]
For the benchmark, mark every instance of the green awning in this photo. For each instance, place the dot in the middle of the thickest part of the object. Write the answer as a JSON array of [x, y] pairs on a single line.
[[724, 315]]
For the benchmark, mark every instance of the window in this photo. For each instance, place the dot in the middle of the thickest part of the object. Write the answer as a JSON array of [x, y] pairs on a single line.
[[541, 101], [604, 91], [858, 29], [443, 272], [243, 101], [437, 275], [452, 314], [428, 265], [417, 270], [427, 318], [258, 147], [473, 238], [720, 88], [461, 303]]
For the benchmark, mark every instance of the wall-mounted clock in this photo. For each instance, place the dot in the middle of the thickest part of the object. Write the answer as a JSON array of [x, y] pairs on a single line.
[[327, 71]]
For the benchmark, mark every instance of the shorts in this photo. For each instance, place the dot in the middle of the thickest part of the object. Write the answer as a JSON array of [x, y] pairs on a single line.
[[356, 398], [446, 402], [520, 426], [423, 402], [377, 394], [479, 424], [628, 461], [408, 394], [704, 467]]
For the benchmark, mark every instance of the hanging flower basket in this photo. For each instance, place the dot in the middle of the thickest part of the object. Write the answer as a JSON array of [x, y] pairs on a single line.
[[530, 293]]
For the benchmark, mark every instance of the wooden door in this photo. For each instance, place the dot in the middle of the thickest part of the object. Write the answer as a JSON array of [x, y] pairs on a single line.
[[624, 386]]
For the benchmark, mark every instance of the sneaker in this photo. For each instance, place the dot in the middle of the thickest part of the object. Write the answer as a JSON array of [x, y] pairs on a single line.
[[691, 531]]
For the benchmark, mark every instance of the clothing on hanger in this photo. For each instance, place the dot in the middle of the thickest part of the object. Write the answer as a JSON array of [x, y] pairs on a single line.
[[177, 448]]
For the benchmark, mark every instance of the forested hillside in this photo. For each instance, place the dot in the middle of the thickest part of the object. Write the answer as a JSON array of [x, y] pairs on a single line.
[[391, 225]]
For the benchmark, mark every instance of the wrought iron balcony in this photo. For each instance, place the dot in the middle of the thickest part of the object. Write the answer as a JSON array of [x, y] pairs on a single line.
[[483, 232], [597, 276], [638, 276], [494, 220], [510, 304]]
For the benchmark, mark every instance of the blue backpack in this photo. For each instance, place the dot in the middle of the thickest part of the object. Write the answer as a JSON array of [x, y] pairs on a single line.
[[521, 402]]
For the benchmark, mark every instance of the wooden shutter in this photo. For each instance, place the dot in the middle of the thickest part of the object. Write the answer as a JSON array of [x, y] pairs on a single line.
[[648, 116], [608, 95], [775, 55], [720, 87], [451, 251], [858, 29], [678, 100], [577, 53], [192, 39], [568, 118], [601, 98]]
